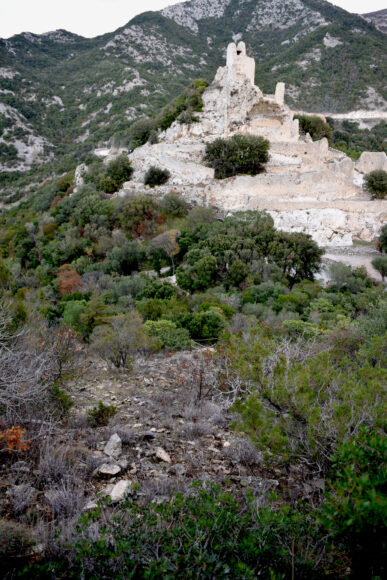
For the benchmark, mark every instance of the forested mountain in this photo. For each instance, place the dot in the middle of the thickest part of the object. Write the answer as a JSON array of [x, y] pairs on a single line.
[[62, 94]]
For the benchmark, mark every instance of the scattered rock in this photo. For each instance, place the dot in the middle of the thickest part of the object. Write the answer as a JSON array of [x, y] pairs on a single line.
[[163, 455], [120, 490], [91, 504], [108, 470], [113, 447]]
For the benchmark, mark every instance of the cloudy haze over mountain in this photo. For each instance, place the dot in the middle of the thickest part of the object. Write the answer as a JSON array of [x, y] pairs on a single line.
[[93, 17]]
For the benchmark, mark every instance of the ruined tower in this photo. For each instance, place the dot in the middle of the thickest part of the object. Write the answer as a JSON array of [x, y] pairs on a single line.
[[239, 64]]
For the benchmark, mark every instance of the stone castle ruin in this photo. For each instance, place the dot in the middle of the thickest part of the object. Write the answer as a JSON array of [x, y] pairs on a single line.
[[307, 186]]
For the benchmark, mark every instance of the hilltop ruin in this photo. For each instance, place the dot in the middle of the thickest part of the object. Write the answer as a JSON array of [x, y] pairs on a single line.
[[307, 186]]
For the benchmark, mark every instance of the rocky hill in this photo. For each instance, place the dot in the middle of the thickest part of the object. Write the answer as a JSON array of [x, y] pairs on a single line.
[[379, 19], [62, 94]]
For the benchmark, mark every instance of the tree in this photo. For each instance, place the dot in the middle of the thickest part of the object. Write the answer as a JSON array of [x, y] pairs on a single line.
[[380, 264], [376, 183], [69, 280], [239, 154], [120, 339], [167, 242]]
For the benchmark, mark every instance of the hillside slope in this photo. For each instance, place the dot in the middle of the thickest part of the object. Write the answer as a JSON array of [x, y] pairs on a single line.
[[379, 19], [62, 94]]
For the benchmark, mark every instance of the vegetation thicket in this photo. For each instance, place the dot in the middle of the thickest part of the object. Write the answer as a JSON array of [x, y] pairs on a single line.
[[298, 366], [315, 126], [376, 183]]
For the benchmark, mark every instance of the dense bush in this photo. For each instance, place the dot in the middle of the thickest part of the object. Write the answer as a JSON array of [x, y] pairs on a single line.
[[170, 336], [119, 170], [204, 325], [140, 131], [174, 205], [239, 154], [139, 214], [315, 126], [380, 264], [320, 396], [356, 506], [205, 534], [383, 238], [376, 183], [156, 176]]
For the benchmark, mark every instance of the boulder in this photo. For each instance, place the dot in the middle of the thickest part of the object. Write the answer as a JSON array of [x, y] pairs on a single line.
[[108, 470], [113, 447], [371, 160], [162, 455], [120, 490]]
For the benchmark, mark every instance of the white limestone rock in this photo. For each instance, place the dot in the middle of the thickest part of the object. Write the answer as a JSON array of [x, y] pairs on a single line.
[[120, 490], [108, 470], [163, 455], [113, 447], [371, 160]]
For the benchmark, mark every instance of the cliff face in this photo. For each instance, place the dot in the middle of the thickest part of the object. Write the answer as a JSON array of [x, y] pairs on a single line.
[[307, 186], [72, 92]]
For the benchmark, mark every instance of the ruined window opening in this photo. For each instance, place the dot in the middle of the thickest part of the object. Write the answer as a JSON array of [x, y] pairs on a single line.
[[239, 52]]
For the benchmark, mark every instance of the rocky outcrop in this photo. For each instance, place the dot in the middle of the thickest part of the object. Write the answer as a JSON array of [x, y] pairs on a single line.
[[307, 187], [371, 160]]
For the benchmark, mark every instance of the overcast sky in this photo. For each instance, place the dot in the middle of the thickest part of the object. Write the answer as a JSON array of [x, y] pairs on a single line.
[[93, 17]]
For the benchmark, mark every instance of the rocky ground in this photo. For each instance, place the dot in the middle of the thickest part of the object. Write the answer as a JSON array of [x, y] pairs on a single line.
[[172, 428], [164, 436]]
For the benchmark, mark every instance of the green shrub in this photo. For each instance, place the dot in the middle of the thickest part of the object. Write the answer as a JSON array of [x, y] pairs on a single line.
[[170, 336], [120, 339], [320, 399], [99, 416], [380, 264], [315, 126], [345, 278], [119, 170], [141, 131], [383, 238], [376, 183], [64, 184], [156, 176], [174, 205], [356, 507], [138, 214], [188, 102], [204, 325], [239, 154]]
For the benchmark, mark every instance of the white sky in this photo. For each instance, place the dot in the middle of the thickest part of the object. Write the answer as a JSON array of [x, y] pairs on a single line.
[[93, 17]]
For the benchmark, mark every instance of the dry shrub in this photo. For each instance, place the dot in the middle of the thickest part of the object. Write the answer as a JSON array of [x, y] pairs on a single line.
[[245, 453]]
